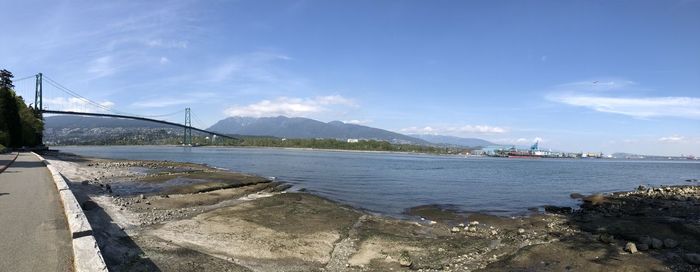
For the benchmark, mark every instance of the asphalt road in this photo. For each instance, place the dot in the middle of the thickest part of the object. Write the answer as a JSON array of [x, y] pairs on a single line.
[[34, 234]]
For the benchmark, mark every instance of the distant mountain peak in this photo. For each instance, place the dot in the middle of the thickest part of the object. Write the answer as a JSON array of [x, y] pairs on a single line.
[[452, 140], [336, 122], [300, 127]]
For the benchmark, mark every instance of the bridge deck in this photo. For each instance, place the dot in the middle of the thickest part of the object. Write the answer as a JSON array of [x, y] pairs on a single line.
[[137, 118]]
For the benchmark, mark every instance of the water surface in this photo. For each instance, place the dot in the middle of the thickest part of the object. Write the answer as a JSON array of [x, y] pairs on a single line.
[[389, 183]]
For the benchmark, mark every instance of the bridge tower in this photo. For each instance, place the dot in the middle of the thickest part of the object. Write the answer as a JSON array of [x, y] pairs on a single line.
[[187, 141], [38, 93]]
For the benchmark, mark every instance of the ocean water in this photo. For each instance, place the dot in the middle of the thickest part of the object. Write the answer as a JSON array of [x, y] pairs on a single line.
[[389, 183]]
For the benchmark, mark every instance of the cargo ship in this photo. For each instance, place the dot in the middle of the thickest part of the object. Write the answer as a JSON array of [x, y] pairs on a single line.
[[533, 153]]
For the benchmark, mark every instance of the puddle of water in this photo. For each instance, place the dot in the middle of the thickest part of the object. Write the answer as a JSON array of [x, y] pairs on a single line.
[[134, 188]]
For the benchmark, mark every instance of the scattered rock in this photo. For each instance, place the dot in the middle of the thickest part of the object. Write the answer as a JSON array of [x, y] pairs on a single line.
[[557, 209], [670, 243], [645, 240], [461, 225], [494, 232], [141, 196], [474, 223], [643, 247], [454, 229], [631, 247], [595, 199], [521, 231], [576, 196], [693, 258], [656, 243], [606, 238], [404, 259], [85, 182]]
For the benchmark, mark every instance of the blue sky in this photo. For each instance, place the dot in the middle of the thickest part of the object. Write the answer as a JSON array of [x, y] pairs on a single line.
[[578, 75]]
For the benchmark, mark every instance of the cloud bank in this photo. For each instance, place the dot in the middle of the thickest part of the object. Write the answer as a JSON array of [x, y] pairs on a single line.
[[290, 106], [455, 130], [641, 107]]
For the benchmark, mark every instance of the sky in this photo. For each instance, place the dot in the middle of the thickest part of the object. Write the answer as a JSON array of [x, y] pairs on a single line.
[[608, 76]]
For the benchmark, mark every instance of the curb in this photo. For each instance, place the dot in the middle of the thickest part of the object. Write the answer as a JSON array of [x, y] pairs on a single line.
[[86, 253], [2, 168]]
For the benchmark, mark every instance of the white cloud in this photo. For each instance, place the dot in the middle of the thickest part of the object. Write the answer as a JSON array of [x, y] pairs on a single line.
[[596, 85], [456, 130], [253, 67], [161, 103], [358, 122], [289, 106], [101, 67], [519, 141], [76, 104], [164, 60], [672, 139], [167, 44], [643, 107]]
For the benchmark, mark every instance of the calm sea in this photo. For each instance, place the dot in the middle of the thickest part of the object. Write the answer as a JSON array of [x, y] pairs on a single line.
[[389, 183]]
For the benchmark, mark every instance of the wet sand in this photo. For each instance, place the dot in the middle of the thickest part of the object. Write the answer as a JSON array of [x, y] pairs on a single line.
[[151, 215]]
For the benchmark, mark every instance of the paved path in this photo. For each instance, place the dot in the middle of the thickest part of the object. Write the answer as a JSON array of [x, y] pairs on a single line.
[[5, 159], [34, 234]]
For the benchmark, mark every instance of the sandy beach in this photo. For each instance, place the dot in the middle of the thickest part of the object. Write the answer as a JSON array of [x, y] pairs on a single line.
[[157, 215]]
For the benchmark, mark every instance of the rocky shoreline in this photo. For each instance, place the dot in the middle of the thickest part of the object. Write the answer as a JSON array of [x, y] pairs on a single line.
[[167, 216]]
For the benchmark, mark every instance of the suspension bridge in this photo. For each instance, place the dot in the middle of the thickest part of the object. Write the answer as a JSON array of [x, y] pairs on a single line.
[[76, 104]]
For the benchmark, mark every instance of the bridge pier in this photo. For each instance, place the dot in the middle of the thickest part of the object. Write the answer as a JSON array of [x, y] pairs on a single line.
[[187, 140], [187, 137]]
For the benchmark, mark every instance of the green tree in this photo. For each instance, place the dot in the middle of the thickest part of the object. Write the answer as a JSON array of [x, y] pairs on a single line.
[[6, 79], [19, 125], [10, 122], [32, 125]]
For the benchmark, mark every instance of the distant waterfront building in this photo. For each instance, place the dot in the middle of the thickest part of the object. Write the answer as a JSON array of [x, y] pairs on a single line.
[[478, 152], [592, 155], [493, 150], [353, 140]]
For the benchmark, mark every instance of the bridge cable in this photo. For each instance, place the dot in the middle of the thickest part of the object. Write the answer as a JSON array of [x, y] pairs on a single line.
[[23, 78], [199, 121], [75, 94]]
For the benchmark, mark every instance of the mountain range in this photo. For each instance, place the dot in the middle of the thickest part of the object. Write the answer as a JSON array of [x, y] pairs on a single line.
[[298, 127], [452, 140], [280, 126]]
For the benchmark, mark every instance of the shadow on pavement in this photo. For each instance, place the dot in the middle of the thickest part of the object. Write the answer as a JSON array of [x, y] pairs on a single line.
[[121, 253], [26, 164]]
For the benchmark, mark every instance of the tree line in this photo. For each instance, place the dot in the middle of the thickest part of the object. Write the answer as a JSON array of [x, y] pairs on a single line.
[[165, 137], [20, 125]]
